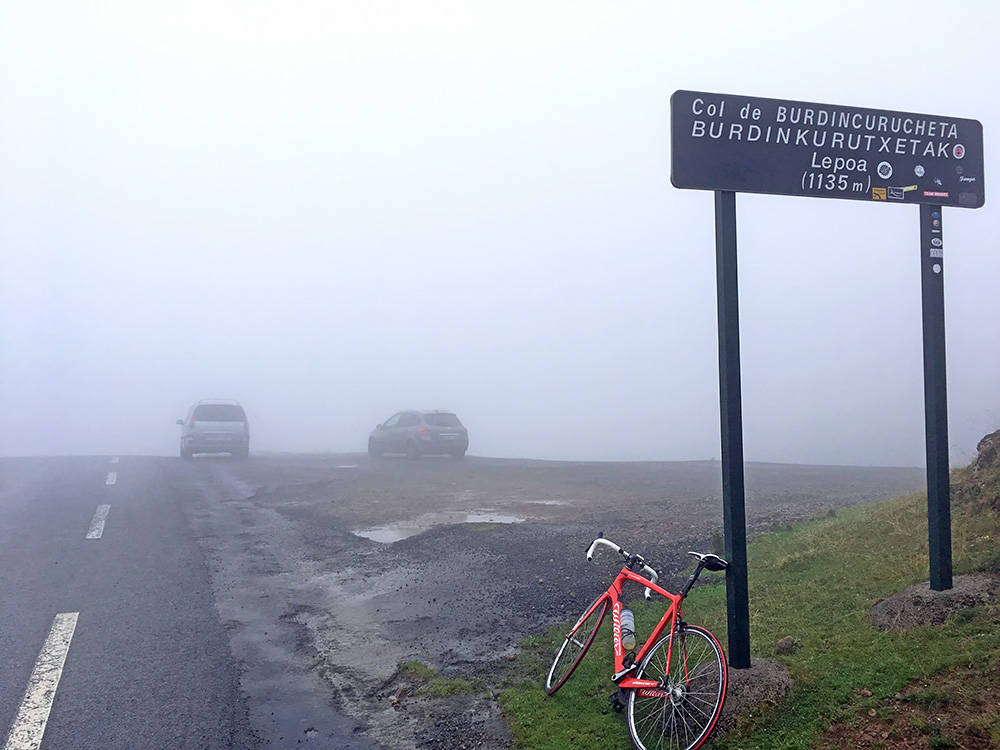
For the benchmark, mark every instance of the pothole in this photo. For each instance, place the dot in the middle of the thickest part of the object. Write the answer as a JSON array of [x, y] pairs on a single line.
[[400, 530]]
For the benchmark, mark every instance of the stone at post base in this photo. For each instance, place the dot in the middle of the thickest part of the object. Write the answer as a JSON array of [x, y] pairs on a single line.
[[920, 605], [764, 681]]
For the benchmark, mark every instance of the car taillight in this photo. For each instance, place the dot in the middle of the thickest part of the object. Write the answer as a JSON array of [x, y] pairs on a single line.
[[246, 424], [423, 431], [191, 426]]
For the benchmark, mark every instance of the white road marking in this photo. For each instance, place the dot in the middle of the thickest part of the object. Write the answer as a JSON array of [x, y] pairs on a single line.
[[97, 525], [29, 724], [114, 459], [346, 466], [112, 477]]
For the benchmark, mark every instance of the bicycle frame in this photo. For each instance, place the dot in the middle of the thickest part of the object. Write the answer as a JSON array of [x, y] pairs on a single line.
[[670, 617]]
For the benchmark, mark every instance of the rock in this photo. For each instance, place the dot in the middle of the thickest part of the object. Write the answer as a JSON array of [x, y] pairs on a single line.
[[785, 646], [988, 452], [765, 681], [919, 605]]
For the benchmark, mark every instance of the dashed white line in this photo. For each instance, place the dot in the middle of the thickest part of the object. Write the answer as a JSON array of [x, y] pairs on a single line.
[[112, 477], [97, 525], [29, 724]]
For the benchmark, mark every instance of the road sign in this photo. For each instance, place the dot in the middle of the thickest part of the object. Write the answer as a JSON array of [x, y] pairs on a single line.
[[751, 145]]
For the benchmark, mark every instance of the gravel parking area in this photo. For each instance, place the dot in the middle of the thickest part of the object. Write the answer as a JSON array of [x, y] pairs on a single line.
[[367, 564]]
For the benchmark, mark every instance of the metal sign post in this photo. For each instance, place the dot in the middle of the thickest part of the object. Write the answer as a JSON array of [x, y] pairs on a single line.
[[731, 403], [729, 144], [935, 397]]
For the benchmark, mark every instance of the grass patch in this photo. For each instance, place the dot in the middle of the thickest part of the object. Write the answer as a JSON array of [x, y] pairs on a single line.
[[429, 682], [816, 582]]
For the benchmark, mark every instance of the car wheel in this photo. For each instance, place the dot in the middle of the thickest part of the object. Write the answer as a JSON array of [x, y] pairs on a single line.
[[412, 451], [242, 453], [185, 453], [373, 449], [458, 454]]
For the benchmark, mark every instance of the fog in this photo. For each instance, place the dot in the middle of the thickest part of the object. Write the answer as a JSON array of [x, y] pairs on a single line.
[[334, 210]]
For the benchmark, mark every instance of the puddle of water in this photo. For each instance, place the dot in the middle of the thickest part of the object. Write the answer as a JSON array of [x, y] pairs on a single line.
[[398, 531], [492, 518]]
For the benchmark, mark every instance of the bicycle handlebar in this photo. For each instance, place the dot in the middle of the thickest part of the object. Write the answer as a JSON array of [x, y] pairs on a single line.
[[650, 573], [605, 542]]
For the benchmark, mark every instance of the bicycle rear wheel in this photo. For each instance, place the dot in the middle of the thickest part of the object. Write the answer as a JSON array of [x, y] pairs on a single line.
[[576, 644], [681, 713]]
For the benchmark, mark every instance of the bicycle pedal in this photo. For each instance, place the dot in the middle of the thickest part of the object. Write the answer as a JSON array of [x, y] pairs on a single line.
[[618, 700]]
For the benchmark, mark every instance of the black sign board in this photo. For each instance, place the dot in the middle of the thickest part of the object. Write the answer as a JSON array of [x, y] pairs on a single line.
[[751, 145]]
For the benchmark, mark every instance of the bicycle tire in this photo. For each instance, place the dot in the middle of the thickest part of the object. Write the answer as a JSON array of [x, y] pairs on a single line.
[[682, 714], [575, 645]]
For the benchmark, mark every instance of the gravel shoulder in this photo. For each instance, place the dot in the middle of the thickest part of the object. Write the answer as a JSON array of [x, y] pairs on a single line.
[[280, 536]]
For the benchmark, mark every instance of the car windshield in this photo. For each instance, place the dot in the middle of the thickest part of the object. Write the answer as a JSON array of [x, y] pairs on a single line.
[[442, 420], [219, 413]]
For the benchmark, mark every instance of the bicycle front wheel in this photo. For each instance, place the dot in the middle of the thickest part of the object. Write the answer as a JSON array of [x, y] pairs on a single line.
[[683, 710], [576, 644]]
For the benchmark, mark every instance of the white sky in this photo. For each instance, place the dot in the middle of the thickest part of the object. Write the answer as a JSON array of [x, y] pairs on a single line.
[[334, 210]]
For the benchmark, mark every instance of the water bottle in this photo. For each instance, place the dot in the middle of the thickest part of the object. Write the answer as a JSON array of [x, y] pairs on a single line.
[[628, 630]]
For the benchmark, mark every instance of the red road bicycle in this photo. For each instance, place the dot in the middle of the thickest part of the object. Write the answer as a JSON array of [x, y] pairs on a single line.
[[674, 686]]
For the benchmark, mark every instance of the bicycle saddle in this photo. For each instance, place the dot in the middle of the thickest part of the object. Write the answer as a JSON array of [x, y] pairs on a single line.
[[710, 561]]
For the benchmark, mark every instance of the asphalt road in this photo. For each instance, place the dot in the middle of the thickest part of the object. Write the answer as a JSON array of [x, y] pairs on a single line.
[[150, 662], [267, 603]]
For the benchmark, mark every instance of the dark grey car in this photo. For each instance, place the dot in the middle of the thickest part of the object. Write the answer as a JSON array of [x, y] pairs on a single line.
[[215, 426], [418, 433]]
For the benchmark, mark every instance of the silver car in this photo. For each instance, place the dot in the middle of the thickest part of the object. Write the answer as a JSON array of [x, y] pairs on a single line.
[[215, 426], [418, 433]]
